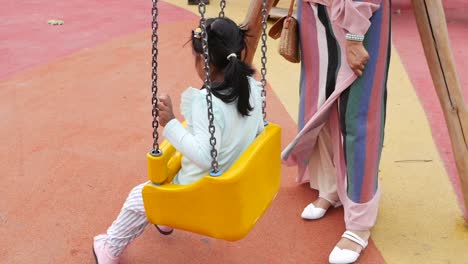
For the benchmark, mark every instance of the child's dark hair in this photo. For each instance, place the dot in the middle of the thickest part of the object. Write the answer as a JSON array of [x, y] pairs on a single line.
[[224, 38]]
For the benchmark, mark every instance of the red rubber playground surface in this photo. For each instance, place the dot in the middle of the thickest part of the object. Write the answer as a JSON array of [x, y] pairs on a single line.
[[75, 118]]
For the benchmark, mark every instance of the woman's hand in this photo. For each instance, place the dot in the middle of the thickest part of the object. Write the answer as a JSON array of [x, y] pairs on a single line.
[[357, 56], [165, 110]]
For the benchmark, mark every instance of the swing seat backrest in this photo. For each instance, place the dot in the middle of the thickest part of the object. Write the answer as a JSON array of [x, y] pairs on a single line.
[[225, 207]]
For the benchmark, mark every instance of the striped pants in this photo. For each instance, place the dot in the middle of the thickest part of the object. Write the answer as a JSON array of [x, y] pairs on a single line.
[[363, 110], [345, 159], [130, 223]]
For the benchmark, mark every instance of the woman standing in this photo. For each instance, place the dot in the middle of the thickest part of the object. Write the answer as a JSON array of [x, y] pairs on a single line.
[[345, 54]]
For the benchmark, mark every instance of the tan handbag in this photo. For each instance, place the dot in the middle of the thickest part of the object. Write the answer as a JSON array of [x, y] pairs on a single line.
[[286, 28]]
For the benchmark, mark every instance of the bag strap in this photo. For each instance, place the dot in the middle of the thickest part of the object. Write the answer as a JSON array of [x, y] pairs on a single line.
[[276, 29], [291, 8]]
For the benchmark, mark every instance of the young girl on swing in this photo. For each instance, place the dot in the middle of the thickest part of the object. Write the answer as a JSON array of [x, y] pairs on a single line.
[[238, 118]]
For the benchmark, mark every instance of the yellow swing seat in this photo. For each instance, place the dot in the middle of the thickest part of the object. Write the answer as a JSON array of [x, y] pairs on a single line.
[[225, 207]]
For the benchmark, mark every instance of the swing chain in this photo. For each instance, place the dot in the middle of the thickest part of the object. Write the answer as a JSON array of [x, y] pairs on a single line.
[[209, 99], [222, 5], [264, 57], [154, 73]]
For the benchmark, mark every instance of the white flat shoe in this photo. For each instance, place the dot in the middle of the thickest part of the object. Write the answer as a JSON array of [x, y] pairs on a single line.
[[346, 256], [312, 213]]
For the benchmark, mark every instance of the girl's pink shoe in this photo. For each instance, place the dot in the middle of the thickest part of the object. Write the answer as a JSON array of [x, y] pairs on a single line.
[[102, 252]]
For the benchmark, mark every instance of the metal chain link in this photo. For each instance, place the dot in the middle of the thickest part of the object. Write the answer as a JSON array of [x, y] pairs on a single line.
[[154, 74], [209, 99], [264, 58], [222, 5]]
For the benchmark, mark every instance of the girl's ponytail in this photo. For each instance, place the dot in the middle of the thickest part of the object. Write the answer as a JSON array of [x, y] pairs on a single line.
[[226, 43], [236, 76]]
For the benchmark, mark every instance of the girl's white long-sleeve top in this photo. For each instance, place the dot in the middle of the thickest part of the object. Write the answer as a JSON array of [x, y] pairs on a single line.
[[233, 132]]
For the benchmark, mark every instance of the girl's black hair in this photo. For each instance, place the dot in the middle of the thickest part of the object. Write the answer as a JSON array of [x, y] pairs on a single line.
[[226, 37]]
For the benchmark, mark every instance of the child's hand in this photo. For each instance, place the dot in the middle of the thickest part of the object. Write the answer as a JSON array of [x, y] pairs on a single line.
[[165, 110]]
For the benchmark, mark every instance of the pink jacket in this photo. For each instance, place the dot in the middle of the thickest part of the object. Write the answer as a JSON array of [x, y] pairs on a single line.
[[352, 16]]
